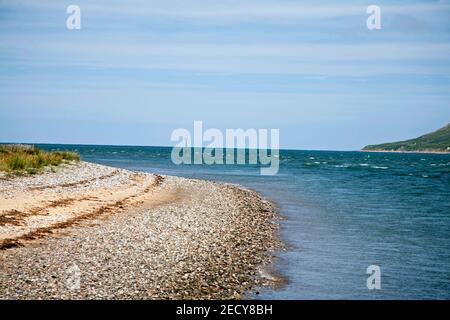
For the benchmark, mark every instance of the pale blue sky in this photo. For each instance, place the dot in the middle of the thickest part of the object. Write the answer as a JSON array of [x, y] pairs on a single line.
[[139, 69]]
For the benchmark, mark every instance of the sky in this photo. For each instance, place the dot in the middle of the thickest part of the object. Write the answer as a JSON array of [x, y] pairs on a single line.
[[139, 69]]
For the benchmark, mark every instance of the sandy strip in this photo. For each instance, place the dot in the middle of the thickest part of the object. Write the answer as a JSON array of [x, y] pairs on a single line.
[[94, 232], [32, 209]]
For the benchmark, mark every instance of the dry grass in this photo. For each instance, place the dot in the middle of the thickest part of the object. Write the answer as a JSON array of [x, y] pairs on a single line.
[[25, 159]]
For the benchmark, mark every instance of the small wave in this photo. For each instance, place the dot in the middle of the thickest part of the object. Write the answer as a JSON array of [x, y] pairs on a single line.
[[376, 167]]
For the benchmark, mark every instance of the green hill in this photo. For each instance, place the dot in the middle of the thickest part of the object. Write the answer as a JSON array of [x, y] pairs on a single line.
[[437, 141]]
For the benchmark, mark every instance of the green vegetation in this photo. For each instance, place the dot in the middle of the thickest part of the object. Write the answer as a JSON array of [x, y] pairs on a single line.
[[437, 141], [22, 159]]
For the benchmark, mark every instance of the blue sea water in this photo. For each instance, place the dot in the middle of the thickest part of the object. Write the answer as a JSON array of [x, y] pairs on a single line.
[[345, 211]]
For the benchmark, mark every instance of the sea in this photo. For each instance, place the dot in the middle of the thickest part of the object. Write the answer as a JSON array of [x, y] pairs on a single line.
[[344, 212]]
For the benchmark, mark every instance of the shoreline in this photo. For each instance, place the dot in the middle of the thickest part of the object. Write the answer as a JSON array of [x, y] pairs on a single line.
[[413, 152], [133, 235]]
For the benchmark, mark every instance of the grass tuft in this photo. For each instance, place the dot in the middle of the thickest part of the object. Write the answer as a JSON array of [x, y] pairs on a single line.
[[20, 159]]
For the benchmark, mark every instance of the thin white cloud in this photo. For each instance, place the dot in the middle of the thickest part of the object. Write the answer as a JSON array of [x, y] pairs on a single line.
[[158, 49], [231, 10], [307, 58]]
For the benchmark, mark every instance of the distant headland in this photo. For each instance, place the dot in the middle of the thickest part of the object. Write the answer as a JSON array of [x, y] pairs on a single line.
[[434, 142]]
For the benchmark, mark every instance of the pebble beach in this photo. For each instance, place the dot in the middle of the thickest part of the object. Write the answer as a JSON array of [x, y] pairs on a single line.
[[86, 231]]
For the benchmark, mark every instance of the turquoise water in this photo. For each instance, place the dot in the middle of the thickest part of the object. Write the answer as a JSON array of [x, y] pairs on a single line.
[[345, 211]]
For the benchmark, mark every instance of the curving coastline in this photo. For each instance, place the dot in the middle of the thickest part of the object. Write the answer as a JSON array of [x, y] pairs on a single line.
[[427, 151], [131, 235]]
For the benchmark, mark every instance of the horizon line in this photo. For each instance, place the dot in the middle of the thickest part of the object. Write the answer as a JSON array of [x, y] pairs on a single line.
[[165, 146]]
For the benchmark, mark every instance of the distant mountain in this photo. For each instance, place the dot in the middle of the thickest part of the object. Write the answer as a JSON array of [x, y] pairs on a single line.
[[437, 141]]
